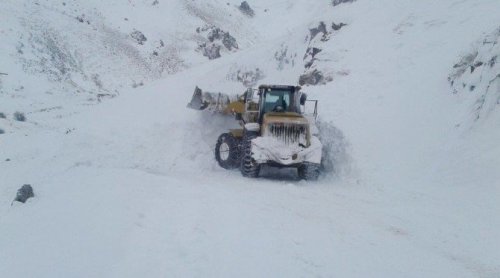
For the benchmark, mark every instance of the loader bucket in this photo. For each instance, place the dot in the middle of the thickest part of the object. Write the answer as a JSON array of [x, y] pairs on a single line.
[[197, 100], [214, 102]]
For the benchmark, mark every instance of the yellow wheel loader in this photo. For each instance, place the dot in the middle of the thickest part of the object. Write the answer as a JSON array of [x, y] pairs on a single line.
[[275, 130]]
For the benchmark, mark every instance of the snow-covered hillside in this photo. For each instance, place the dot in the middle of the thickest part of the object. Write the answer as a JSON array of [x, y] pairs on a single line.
[[124, 176]]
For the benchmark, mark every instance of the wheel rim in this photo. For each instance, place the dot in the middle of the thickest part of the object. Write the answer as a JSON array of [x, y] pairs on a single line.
[[224, 151]]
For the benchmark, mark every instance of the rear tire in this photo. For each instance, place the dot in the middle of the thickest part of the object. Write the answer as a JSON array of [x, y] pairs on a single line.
[[249, 167], [309, 171], [227, 151]]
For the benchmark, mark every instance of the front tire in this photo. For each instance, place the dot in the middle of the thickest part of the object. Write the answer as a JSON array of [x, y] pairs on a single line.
[[309, 171], [249, 167], [227, 151]]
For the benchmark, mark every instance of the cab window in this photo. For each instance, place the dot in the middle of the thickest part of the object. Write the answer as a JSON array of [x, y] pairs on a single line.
[[277, 101]]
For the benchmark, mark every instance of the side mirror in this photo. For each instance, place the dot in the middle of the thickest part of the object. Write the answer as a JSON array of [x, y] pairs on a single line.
[[303, 99]]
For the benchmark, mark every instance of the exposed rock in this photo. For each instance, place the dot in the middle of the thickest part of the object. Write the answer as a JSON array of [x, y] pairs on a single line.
[[100, 97], [229, 41], [309, 57], [216, 39], [248, 78], [24, 193], [81, 18], [492, 61], [320, 29], [477, 75], [18, 116], [137, 84], [245, 8], [211, 50], [338, 2], [97, 81], [476, 65], [337, 27], [283, 58], [216, 34], [138, 36], [314, 77]]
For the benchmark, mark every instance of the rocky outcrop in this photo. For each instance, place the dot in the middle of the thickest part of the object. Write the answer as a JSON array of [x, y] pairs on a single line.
[[215, 39], [476, 76]]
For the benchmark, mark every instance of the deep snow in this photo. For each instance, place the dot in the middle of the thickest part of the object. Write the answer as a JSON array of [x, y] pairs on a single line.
[[126, 184]]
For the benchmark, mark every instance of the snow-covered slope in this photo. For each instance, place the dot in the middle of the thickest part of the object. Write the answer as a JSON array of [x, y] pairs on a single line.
[[124, 177]]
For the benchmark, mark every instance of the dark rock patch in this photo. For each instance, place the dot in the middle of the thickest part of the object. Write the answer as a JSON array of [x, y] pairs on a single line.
[[18, 116], [310, 56], [476, 65], [81, 18], [100, 97], [284, 58], [248, 78], [137, 84], [138, 36], [337, 27], [24, 193], [210, 50], [246, 9], [492, 61], [314, 77], [229, 41], [216, 38], [317, 37], [338, 2], [476, 74], [97, 81], [320, 29]]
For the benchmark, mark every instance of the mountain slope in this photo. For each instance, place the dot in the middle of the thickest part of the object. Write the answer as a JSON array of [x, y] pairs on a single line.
[[129, 187]]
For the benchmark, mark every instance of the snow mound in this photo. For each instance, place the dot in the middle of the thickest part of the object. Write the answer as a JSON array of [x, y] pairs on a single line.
[[336, 160]]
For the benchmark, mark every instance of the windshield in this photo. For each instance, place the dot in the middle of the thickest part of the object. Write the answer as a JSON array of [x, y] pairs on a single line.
[[277, 101]]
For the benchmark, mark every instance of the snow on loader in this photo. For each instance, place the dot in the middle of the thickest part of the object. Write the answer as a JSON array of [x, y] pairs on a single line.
[[275, 130]]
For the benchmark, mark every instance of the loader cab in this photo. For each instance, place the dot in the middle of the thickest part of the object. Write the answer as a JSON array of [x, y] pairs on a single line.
[[279, 99]]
